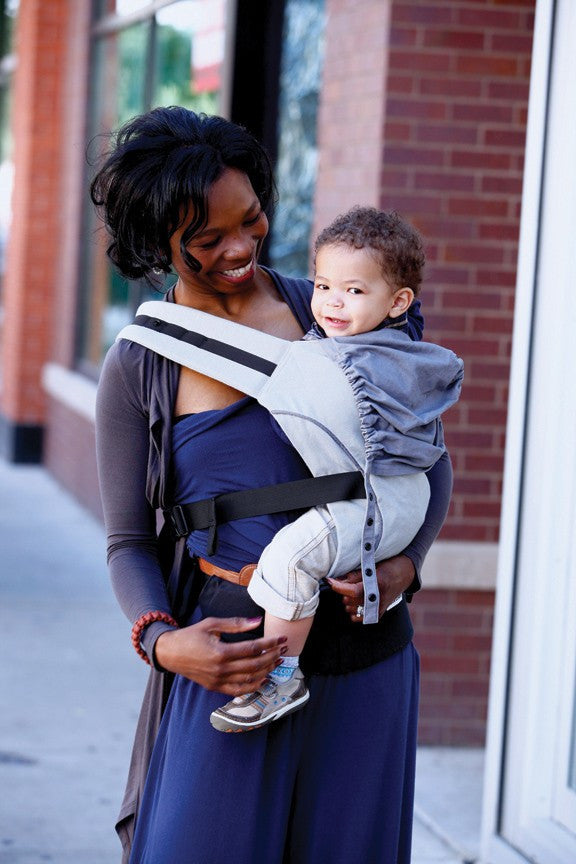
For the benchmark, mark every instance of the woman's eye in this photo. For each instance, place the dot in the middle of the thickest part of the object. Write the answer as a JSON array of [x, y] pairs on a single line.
[[210, 244], [254, 219]]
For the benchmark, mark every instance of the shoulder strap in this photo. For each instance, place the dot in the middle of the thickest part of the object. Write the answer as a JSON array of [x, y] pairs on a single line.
[[232, 353]]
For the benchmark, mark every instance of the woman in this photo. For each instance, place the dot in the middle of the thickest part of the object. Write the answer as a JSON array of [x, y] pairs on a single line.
[[190, 193]]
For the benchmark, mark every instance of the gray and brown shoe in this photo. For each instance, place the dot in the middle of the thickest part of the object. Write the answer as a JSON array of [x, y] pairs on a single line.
[[263, 706]]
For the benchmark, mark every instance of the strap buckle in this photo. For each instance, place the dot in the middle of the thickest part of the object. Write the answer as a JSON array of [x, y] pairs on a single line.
[[185, 518], [212, 541], [179, 521]]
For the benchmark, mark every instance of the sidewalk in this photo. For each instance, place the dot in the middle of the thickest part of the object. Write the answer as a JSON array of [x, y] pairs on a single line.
[[66, 722]]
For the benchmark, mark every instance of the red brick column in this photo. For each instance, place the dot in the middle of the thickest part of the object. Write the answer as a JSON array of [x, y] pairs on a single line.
[[34, 245], [351, 108]]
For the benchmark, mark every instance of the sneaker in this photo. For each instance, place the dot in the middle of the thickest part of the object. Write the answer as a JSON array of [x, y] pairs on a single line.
[[263, 706]]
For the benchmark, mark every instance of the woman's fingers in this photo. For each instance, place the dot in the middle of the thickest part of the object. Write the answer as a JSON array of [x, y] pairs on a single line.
[[197, 652], [232, 668], [230, 625], [349, 586], [394, 575], [236, 658], [261, 650], [351, 590]]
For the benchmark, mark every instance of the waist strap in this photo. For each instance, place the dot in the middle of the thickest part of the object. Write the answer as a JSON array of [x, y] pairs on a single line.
[[295, 495]]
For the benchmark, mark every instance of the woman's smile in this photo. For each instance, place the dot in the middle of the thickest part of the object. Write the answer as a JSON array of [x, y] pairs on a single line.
[[239, 274]]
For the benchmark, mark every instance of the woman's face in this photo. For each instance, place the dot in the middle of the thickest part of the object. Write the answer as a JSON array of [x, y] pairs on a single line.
[[227, 248]]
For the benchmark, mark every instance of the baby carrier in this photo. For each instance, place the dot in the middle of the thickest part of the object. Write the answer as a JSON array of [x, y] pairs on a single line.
[[346, 427]]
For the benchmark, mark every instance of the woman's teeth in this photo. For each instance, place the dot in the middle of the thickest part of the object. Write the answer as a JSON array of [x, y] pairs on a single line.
[[239, 272]]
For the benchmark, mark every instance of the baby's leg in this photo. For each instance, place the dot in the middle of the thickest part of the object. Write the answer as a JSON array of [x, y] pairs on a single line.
[[296, 631], [286, 584]]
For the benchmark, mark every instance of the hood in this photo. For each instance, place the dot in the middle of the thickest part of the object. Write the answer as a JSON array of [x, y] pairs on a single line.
[[400, 386]]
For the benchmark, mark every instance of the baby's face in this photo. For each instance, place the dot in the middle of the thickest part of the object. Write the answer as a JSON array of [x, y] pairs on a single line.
[[350, 293]]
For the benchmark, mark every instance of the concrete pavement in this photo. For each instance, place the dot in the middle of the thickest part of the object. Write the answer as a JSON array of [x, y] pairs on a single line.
[[66, 722]]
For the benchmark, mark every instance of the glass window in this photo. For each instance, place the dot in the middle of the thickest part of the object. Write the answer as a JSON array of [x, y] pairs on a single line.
[[300, 81], [144, 55]]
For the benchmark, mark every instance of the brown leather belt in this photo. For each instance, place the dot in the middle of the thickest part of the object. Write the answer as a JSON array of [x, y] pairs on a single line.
[[238, 578]]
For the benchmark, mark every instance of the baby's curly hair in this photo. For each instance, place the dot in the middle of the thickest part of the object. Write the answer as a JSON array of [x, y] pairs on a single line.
[[397, 246]]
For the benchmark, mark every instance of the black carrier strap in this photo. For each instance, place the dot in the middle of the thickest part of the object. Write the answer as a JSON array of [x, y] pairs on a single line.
[[295, 495], [215, 346]]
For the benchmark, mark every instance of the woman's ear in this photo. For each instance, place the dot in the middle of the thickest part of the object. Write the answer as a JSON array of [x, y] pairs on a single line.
[[403, 299]]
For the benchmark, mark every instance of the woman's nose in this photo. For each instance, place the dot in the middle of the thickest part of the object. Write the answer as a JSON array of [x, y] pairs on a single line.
[[239, 245]]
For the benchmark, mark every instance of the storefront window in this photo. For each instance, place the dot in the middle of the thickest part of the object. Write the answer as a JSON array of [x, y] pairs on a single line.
[[300, 82], [144, 55]]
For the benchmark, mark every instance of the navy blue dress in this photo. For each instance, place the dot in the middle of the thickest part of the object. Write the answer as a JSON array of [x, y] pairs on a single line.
[[333, 782]]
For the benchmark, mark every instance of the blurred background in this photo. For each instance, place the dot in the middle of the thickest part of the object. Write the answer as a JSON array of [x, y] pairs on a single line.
[[461, 115]]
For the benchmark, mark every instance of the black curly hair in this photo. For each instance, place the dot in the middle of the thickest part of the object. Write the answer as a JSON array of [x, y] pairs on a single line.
[[397, 246], [159, 170]]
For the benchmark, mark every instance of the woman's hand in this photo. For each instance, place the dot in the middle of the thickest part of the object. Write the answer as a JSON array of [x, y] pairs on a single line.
[[395, 575], [197, 652]]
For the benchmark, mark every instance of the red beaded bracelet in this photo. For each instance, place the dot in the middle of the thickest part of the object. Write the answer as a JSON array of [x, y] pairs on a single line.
[[142, 623]]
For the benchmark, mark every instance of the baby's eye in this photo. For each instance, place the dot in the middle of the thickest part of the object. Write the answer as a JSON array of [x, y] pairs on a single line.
[[355, 291], [320, 286]]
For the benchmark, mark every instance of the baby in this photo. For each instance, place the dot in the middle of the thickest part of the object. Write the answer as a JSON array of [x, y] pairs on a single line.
[[368, 269]]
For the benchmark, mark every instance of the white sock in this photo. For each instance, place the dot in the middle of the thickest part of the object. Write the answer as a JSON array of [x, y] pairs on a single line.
[[286, 670]]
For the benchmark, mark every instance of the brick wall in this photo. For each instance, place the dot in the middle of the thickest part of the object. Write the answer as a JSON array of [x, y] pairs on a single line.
[[455, 122], [351, 107], [454, 131], [453, 636], [33, 250]]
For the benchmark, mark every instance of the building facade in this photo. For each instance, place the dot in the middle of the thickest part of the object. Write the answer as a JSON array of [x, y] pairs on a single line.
[[412, 104]]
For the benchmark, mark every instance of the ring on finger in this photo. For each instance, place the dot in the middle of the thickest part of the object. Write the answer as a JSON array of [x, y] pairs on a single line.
[[359, 611]]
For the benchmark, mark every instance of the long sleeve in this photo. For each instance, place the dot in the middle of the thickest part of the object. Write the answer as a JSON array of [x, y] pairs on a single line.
[[122, 445], [440, 479]]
